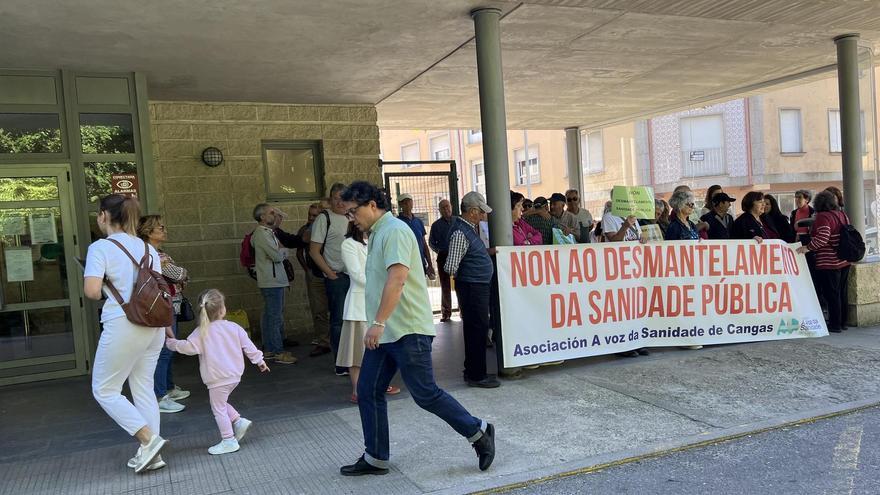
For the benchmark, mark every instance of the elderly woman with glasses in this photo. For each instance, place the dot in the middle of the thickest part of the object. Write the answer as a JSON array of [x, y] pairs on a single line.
[[680, 226], [151, 229]]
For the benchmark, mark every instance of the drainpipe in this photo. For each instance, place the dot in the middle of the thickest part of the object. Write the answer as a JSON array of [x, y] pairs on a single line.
[[651, 154]]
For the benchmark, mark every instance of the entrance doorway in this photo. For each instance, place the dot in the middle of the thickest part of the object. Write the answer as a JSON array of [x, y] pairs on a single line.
[[427, 188], [41, 314]]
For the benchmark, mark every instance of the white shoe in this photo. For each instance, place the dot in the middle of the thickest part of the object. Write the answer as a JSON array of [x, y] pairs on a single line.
[[149, 453], [158, 463], [694, 347], [240, 427], [178, 393], [226, 446], [167, 405]]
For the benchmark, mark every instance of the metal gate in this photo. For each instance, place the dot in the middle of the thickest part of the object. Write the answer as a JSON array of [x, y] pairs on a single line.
[[435, 181]]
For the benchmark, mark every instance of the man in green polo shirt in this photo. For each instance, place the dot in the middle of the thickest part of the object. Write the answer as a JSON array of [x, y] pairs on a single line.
[[400, 335]]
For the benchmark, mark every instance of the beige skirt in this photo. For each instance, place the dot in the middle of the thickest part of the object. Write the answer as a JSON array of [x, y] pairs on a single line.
[[351, 344]]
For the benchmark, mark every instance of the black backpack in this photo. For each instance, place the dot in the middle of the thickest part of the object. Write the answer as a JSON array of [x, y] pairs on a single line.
[[852, 246]]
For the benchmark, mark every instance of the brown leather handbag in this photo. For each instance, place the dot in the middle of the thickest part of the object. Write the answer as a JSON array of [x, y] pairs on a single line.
[[150, 304]]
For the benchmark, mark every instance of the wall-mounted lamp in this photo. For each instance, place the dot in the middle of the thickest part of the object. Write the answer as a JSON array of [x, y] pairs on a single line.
[[212, 157]]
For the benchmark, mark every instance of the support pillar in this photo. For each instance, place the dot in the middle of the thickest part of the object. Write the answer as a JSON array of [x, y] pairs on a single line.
[[487, 26], [573, 153], [850, 129]]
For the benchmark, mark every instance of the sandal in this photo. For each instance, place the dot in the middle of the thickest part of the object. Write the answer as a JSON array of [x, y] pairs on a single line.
[[353, 399], [392, 390]]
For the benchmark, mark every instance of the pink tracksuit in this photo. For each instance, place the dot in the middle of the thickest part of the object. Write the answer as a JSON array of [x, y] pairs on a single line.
[[221, 365]]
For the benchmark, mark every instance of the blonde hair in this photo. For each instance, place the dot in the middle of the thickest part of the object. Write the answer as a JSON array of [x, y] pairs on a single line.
[[147, 224], [211, 305]]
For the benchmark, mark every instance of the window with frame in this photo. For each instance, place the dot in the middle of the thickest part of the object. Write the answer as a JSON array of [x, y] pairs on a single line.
[[294, 170], [527, 173], [835, 143], [702, 145], [790, 133], [440, 149], [592, 152], [410, 153], [479, 177], [474, 136]]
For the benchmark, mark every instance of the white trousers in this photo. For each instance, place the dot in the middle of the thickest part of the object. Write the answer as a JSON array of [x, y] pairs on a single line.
[[128, 352]]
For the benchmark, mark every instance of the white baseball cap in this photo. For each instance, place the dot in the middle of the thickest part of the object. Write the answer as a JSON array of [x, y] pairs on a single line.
[[404, 197]]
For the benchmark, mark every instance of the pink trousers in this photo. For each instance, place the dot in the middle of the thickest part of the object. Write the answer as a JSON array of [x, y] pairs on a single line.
[[224, 413]]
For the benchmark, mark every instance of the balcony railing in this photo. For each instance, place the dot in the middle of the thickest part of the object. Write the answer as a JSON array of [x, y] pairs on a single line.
[[702, 162]]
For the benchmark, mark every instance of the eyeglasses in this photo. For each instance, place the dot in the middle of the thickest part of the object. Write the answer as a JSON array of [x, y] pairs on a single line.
[[571, 199], [690, 205], [161, 228], [351, 211]]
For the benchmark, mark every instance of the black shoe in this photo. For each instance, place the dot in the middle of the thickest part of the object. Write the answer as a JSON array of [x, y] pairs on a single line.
[[835, 330], [488, 382], [844, 327], [643, 352], [485, 447], [628, 354], [290, 343], [362, 467]]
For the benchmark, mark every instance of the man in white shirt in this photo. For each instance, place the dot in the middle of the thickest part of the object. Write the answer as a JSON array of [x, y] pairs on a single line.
[[584, 219]]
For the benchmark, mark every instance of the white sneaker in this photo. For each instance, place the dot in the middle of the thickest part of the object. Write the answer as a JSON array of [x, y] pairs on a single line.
[[167, 405], [240, 427], [149, 453], [158, 463], [226, 446], [178, 393]]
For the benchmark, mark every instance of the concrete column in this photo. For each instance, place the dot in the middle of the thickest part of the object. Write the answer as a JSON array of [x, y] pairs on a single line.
[[487, 25], [850, 129], [573, 153]]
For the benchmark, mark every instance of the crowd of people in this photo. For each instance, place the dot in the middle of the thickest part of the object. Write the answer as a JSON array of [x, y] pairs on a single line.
[[367, 272]]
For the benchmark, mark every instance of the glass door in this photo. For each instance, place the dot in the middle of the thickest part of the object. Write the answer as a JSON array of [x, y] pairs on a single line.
[[41, 314]]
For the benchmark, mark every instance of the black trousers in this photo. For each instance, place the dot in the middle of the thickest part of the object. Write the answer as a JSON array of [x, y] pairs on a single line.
[[473, 305], [833, 285]]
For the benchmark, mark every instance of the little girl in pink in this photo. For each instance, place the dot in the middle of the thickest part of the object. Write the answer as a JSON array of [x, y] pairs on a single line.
[[219, 344]]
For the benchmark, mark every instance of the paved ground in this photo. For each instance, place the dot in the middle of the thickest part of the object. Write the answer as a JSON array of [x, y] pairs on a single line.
[[830, 456], [583, 413]]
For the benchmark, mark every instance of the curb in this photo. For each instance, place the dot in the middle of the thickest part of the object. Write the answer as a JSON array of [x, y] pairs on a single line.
[[605, 461]]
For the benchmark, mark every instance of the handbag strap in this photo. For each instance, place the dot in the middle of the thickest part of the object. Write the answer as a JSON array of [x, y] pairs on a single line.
[[110, 285]]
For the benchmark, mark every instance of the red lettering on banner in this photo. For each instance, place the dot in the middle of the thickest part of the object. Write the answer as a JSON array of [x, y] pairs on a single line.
[[741, 265], [653, 261], [758, 259], [557, 310], [574, 267], [785, 298], [686, 265], [565, 313], [611, 269], [609, 312], [551, 264], [591, 271], [518, 269], [671, 263], [595, 311], [714, 259], [656, 306], [775, 259], [637, 261], [701, 257], [623, 257]]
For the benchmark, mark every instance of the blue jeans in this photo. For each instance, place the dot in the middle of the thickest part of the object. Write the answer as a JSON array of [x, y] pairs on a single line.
[[336, 291], [272, 320], [162, 381], [412, 356]]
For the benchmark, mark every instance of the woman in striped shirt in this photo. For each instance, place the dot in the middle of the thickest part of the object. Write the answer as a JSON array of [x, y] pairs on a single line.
[[831, 271]]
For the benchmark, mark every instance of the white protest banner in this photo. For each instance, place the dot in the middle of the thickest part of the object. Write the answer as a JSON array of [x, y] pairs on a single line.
[[565, 302]]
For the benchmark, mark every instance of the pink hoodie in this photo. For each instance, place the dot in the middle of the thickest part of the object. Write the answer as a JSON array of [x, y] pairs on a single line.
[[220, 359]]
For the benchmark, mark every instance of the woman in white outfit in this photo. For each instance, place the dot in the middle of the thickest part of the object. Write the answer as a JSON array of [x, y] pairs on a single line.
[[125, 351], [354, 313]]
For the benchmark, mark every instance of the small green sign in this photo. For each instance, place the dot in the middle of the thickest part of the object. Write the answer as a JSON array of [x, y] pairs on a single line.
[[633, 200]]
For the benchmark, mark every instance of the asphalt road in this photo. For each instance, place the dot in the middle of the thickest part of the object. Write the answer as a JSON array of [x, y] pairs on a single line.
[[839, 455]]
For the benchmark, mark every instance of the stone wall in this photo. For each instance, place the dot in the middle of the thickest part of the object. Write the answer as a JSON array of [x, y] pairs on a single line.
[[864, 294], [208, 210]]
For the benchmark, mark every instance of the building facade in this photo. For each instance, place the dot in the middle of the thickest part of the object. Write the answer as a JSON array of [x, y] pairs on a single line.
[[67, 139]]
